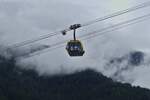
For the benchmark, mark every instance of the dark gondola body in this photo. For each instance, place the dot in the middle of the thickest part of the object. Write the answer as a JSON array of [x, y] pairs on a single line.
[[75, 48]]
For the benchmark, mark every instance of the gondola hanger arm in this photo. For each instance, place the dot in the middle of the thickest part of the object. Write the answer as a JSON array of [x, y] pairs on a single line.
[[72, 27]]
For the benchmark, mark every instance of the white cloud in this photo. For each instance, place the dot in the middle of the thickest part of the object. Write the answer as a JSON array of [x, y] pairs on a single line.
[[25, 19]]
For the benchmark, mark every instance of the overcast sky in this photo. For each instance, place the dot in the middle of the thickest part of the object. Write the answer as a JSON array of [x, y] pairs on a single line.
[[26, 19]]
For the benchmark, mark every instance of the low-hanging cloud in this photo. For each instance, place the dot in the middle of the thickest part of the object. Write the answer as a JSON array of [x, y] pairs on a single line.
[[26, 19]]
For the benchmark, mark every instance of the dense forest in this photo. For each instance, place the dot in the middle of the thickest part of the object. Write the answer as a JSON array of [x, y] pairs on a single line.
[[21, 84]]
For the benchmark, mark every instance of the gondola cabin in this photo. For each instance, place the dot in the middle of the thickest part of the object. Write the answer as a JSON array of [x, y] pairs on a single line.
[[75, 48]]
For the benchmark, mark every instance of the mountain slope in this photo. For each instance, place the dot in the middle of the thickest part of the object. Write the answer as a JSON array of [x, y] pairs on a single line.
[[20, 84]]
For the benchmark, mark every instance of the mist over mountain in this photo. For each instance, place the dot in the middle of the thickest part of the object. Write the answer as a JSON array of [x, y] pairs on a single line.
[[124, 68], [125, 63], [26, 84]]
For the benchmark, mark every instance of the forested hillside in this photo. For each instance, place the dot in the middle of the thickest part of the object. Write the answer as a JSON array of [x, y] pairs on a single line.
[[21, 84]]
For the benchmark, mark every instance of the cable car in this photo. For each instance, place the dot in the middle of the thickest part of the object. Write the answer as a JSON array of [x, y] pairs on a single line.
[[74, 47]]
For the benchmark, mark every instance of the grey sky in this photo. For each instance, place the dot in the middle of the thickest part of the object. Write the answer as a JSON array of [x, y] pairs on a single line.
[[26, 19]]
